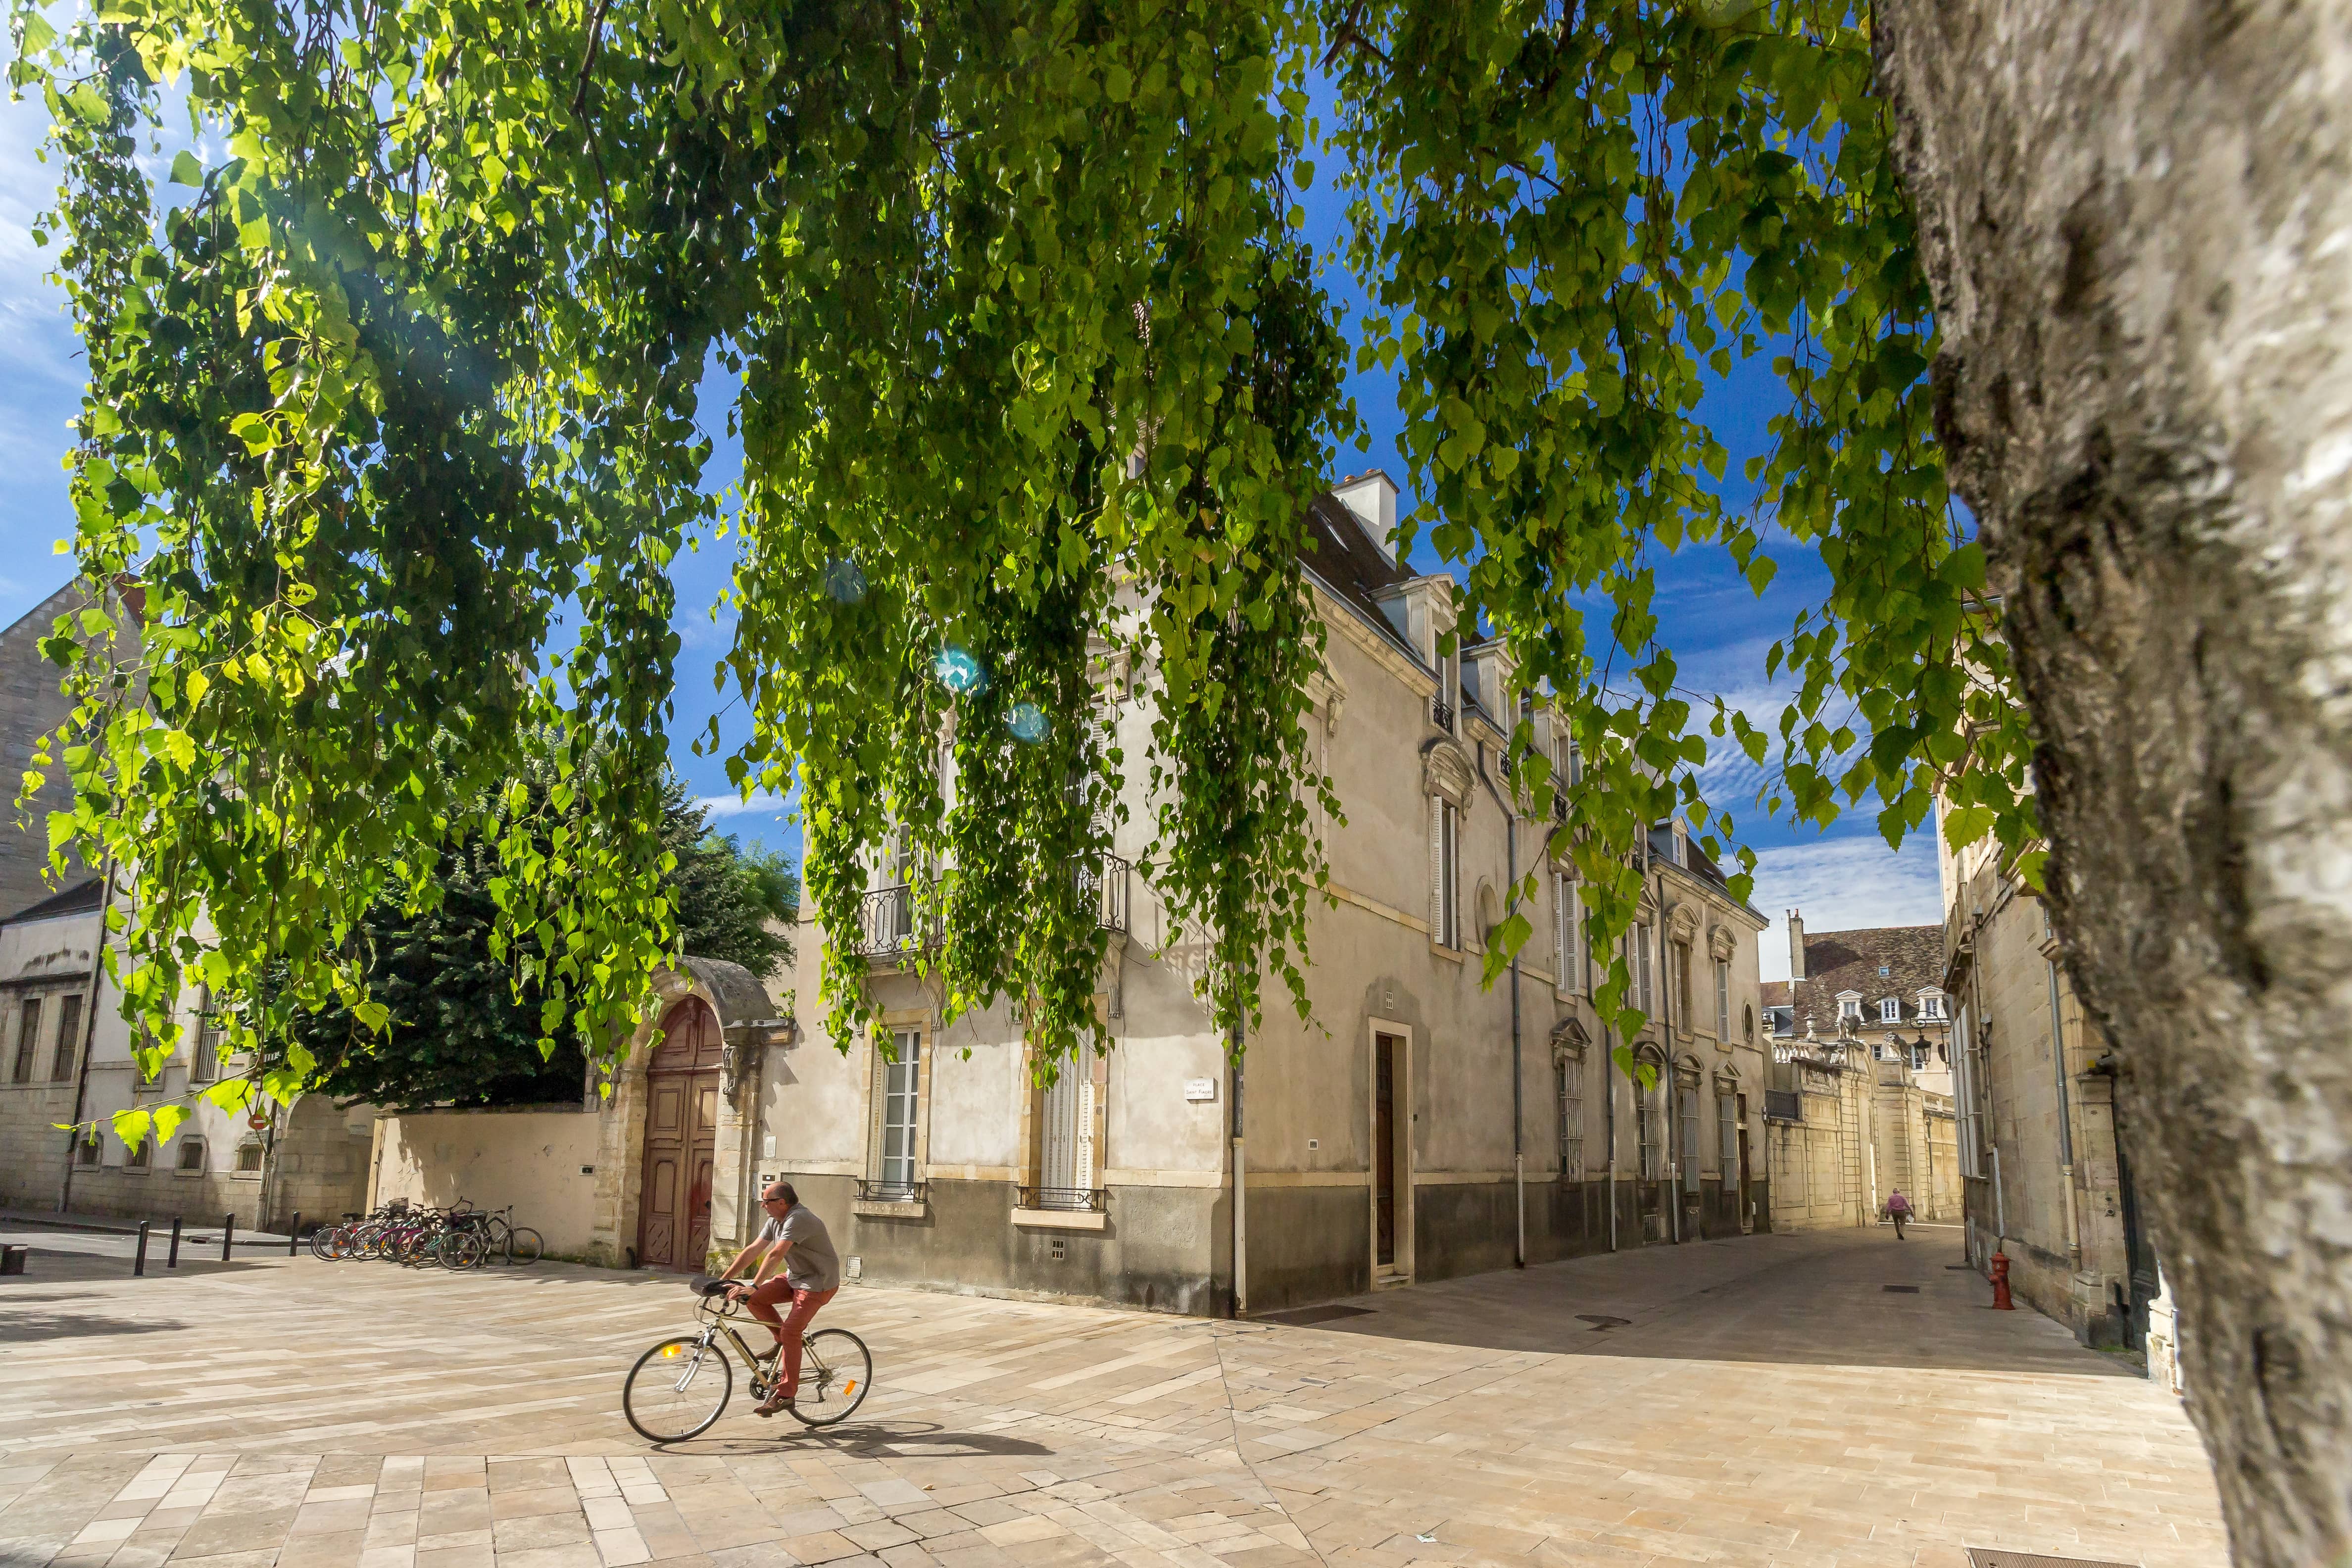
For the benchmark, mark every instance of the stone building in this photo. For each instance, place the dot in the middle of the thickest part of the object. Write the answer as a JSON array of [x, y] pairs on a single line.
[[1861, 1035], [65, 1047], [1417, 1125], [2047, 1183]]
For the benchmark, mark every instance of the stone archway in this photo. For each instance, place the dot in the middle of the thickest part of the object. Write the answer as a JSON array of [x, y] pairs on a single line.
[[679, 1154]]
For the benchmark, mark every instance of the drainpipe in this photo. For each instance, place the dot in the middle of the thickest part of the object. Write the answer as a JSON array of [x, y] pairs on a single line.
[[2066, 1127], [1240, 1228], [1518, 1111], [1609, 1120], [89, 1032]]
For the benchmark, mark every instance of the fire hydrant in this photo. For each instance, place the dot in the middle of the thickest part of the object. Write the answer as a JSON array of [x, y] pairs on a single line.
[[2000, 1301]]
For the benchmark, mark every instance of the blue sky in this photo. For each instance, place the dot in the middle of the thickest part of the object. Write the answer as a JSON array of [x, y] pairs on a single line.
[[1719, 630]]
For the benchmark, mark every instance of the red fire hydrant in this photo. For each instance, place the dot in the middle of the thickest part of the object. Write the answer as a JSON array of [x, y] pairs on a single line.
[[2000, 1301]]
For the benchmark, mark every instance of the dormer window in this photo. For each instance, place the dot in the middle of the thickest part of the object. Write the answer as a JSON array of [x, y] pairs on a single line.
[[1850, 1007], [1931, 1006], [1890, 1011]]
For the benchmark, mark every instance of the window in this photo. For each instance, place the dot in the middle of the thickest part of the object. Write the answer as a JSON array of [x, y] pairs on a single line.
[[1890, 1011], [1066, 1137], [1689, 1147], [1850, 1007], [140, 1156], [28, 1039], [1568, 942], [248, 1157], [901, 1085], [69, 1050], [1569, 1074], [1642, 998], [1726, 1111], [1931, 1006], [192, 1156], [1662, 843], [1646, 1131], [1449, 874], [86, 1151], [1679, 957], [1723, 999]]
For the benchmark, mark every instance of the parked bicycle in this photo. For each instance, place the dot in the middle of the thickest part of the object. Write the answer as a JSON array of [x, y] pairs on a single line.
[[680, 1387], [401, 1232]]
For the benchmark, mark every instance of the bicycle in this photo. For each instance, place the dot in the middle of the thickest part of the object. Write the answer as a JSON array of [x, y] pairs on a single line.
[[514, 1242], [679, 1388]]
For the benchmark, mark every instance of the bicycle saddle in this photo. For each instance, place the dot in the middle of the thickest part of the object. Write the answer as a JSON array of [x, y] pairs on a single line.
[[704, 1285]]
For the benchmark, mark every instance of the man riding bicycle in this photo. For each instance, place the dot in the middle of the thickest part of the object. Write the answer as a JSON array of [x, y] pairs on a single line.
[[797, 1239]]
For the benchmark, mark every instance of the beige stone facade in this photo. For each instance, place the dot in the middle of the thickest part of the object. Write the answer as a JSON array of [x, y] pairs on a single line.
[[2045, 1180], [1415, 1125]]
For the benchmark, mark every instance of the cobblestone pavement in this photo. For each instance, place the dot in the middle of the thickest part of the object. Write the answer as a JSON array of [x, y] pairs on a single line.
[[1765, 1401]]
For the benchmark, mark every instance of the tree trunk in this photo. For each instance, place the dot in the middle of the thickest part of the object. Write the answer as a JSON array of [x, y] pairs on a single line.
[[2137, 216]]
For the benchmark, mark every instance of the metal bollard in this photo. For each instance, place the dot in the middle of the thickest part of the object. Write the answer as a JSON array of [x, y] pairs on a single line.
[[229, 1235], [139, 1259], [292, 1233], [173, 1259]]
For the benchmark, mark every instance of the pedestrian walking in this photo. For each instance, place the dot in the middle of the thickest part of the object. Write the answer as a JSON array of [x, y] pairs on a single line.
[[1898, 1209]]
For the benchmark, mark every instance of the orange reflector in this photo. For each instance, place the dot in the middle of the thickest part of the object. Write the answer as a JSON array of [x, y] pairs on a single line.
[[848, 1388], [671, 1352]]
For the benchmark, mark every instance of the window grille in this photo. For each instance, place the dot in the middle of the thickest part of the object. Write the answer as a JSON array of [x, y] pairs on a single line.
[[248, 1157], [1065, 1131], [1570, 1075], [1689, 1149], [192, 1154]]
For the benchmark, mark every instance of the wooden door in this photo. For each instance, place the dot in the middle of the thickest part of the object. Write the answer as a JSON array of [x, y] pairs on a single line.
[[1384, 1150], [681, 1141]]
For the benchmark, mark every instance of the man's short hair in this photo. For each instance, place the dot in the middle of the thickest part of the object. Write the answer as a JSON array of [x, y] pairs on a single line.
[[783, 1190]]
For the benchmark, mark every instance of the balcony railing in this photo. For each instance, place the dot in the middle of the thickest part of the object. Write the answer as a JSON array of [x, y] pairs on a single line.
[[893, 1192], [1440, 713], [889, 924], [1064, 1200]]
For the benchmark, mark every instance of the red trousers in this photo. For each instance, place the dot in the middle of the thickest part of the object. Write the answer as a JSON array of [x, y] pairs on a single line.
[[789, 1327]]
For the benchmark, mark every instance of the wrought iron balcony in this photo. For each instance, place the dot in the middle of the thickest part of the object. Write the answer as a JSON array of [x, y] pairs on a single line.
[[890, 926], [1440, 713], [893, 1192], [887, 923], [1064, 1200]]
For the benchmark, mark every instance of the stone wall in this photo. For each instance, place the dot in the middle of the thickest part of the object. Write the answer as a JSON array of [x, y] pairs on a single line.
[[531, 1158]]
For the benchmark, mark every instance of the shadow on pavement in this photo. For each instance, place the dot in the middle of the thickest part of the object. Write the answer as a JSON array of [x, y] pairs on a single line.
[[867, 1440], [1818, 1298]]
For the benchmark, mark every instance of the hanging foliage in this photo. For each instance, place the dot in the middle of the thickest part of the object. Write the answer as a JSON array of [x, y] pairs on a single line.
[[394, 428]]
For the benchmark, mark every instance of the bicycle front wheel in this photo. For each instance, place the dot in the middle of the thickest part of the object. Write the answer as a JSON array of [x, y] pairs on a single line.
[[523, 1245], [463, 1250], [326, 1242], [835, 1371], [678, 1389]]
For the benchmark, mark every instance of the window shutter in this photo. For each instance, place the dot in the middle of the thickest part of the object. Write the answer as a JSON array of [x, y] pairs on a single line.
[[878, 1096], [1436, 869]]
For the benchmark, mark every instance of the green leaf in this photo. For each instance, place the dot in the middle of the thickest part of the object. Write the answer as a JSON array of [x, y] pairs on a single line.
[[185, 170]]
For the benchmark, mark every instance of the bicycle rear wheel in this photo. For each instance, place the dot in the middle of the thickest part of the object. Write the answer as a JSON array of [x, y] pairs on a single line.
[[462, 1250], [523, 1245], [326, 1242], [835, 1371], [678, 1389]]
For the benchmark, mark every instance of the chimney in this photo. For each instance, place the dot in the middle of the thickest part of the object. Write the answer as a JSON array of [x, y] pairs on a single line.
[[1796, 946], [1373, 498]]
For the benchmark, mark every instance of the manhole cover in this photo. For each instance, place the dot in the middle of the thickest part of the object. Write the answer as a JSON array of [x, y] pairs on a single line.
[[1306, 1317], [1901, 1290], [2002, 1557], [1603, 1321]]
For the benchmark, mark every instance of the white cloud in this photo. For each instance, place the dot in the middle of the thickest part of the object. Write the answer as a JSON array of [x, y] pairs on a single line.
[[765, 802], [1843, 884]]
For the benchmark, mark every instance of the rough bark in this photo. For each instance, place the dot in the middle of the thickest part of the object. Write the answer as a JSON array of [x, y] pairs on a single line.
[[2137, 216]]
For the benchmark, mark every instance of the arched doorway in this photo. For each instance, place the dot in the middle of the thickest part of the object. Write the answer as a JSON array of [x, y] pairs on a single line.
[[681, 1140]]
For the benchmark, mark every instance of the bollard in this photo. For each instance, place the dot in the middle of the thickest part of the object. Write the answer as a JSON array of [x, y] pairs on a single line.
[[2000, 1277], [173, 1259], [139, 1259], [229, 1235], [293, 1231]]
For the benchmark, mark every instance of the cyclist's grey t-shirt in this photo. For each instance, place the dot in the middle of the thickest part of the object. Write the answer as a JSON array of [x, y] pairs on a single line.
[[812, 1264]]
